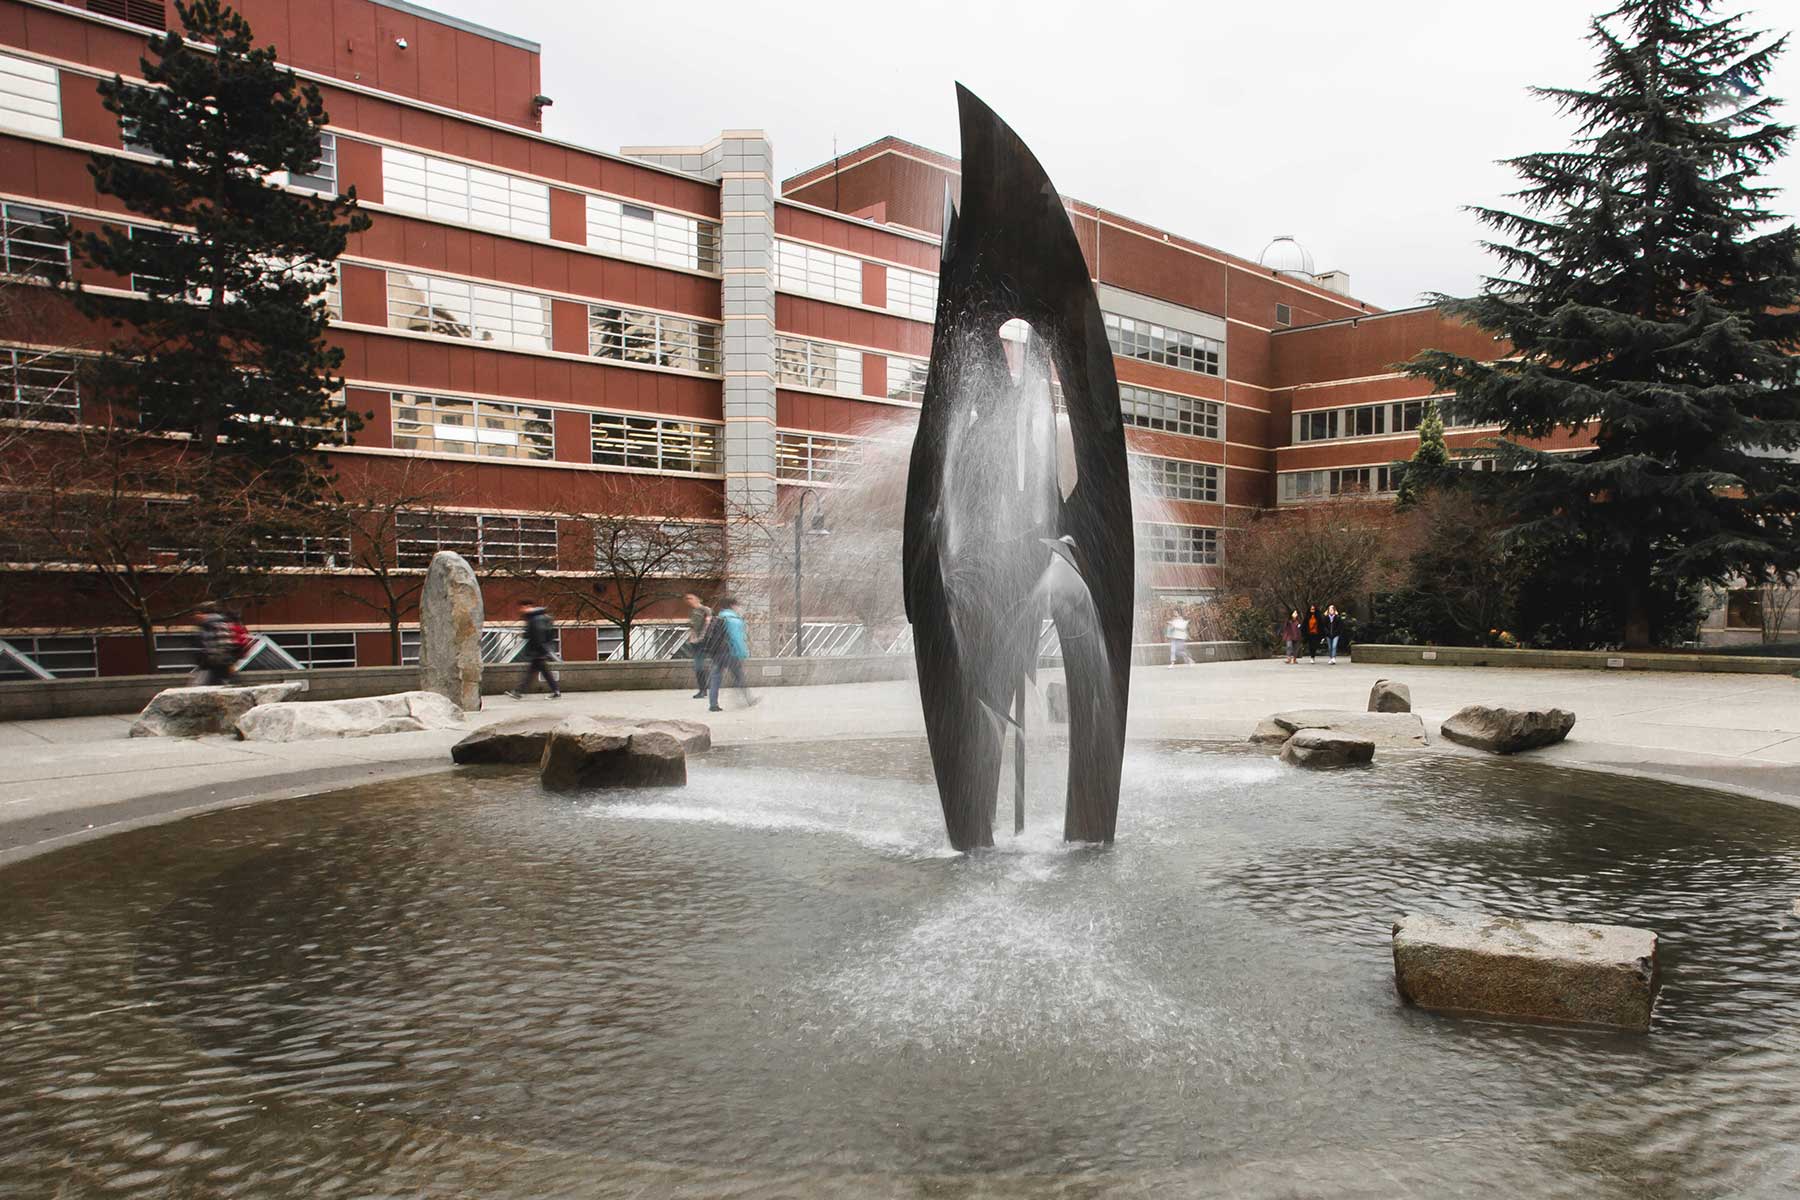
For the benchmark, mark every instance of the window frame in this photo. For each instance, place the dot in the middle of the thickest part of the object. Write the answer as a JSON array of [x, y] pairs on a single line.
[[475, 409], [679, 343], [649, 443]]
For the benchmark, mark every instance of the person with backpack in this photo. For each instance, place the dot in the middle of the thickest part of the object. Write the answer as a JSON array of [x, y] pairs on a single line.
[[222, 642], [540, 632], [727, 645]]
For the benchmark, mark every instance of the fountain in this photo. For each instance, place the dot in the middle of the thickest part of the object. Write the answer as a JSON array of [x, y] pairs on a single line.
[[994, 540]]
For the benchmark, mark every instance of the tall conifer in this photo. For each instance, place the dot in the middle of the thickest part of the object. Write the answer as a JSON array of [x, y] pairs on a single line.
[[1648, 295]]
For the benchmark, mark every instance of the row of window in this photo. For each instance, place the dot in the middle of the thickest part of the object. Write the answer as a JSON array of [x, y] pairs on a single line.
[[503, 429], [1182, 545], [38, 386], [485, 539], [802, 457], [654, 339], [1178, 479], [656, 444], [1169, 413], [1131, 337], [447, 190], [1338, 481], [31, 244], [838, 277], [1363, 420], [825, 366]]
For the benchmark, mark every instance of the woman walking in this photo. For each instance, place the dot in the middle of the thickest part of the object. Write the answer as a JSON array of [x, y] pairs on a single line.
[[1290, 635], [1333, 628], [1312, 632]]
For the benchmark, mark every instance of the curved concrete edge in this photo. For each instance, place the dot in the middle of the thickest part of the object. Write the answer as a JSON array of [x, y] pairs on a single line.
[[32, 837]]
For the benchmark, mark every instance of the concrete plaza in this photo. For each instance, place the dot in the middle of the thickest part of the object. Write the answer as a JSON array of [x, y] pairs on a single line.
[[66, 780]]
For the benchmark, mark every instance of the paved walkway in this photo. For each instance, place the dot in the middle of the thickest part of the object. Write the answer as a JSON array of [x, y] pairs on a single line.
[[64, 780]]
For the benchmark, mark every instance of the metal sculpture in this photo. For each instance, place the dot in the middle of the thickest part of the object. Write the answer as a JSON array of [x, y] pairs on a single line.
[[994, 540]]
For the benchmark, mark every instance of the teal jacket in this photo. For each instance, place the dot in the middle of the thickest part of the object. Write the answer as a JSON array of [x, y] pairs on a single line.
[[734, 633]]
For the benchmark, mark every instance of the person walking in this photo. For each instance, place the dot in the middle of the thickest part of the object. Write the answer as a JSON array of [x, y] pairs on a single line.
[[1290, 636], [1332, 628], [1312, 632], [217, 659], [727, 645], [1176, 630], [698, 616], [540, 631]]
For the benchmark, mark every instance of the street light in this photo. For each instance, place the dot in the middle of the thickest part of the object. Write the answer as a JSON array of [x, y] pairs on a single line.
[[799, 528]]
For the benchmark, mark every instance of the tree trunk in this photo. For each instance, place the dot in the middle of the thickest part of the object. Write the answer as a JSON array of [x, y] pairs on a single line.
[[394, 637], [1637, 599], [625, 646], [147, 630]]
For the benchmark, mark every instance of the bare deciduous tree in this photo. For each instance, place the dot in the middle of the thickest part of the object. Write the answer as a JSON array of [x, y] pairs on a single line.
[[372, 510], [1332, 552]]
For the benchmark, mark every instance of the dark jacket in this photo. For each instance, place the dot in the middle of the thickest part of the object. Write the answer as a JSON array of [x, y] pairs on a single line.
[[1290, 631], [540, 632]]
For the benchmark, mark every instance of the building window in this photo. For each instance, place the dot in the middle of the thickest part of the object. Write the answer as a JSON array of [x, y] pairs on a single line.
[[822, 274], [458, 308], [330, 551], [652, 234], [485, 539], [30, 100], [653, 338], [1284, 315], [1168, 412], [655, 444], [912, 293], [322, 178], [334, 294], [31, 244], [906, 378], [1179, 479], [1185, 545], [316, 649], [1134, 338], [468, 195], [38, 386], [62, 657], [673, 549], [823, 366], [814, 457], [1295, 486], [488, 428], [138, 12], [1363, 420]]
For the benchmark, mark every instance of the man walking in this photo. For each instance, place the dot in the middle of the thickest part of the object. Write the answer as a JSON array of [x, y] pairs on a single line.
[[698, 616], [727, 645], [540, 631], [1177, 632], [218, 648]]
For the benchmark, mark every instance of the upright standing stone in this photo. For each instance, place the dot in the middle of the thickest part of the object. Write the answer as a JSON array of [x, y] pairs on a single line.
[[450, 631]]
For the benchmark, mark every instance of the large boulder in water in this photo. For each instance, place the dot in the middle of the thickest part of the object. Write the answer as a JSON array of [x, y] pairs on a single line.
[[1387, 696], [1320, 749], [1555, 971], [1393, 731], [450, 616], [403, 712], [581, 754], [521, 741], [1508, 730], [196, 711]]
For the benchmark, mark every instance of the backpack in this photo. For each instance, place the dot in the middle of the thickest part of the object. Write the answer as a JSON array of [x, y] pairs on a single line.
[[238, 636]]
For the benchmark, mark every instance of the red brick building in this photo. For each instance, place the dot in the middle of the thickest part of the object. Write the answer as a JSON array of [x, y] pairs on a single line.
[[557, 322]]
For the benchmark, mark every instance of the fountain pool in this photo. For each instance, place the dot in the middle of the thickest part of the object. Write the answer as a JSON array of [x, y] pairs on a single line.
[[778, 982]]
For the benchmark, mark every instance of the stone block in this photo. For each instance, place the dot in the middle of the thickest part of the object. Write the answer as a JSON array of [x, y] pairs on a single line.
[[1558, 972], [1322, 749], [403, 712], [521, 741], [581, 753], [450, 616], [1507, 730], [1392, 731], [197, 711], [1387, 696]]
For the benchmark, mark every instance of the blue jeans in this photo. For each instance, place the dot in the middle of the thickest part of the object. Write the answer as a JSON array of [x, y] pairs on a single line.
[[721, 664], [1332, 642]]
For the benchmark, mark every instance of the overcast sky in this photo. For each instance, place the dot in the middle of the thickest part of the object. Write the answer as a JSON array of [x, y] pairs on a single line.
[[1359, 128]]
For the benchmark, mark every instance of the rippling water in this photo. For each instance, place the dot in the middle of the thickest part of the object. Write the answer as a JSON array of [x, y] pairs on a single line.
[[776, 982]]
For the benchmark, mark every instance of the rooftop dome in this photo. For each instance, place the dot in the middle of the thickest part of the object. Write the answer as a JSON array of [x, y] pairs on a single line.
[[1287, 257]]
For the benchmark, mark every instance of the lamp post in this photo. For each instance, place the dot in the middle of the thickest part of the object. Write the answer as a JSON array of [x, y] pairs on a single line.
[[800, 528]]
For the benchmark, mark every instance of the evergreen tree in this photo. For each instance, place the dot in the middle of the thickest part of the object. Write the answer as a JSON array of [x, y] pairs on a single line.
[[1429, 461], [228, 348], [1646, 296]]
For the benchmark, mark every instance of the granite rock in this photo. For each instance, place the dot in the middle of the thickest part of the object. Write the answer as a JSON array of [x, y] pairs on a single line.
[[581, 753], [1550, 971], [196, 711], [1387, 696], [1391, 731], [1321, 749], [402, 712], [521, 741], [1508, 730], [450, 616]]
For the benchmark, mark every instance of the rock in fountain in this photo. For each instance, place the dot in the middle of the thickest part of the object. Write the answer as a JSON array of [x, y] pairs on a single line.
[[450, 616], [1506, 730], [521, 741], [590, 754], [1320, 749], [993, 540], [1553, 971], [197, 711], [1388, 696]]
